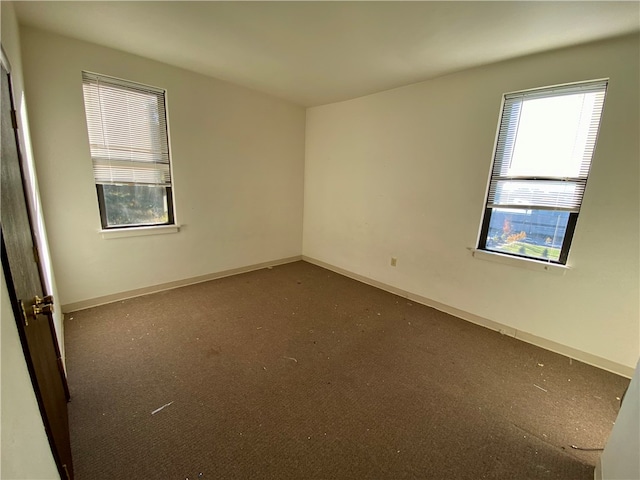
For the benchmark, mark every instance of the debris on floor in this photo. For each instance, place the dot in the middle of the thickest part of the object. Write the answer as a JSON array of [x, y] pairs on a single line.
[[291, 358], [587, 449], [161, 408]]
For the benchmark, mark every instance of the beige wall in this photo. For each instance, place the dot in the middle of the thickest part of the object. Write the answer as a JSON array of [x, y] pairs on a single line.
[[403, 173], [237, 157], [621, 457], [25, 452]]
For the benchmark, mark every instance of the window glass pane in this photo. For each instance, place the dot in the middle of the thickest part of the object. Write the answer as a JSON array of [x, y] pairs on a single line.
[[529, 233], [135, 205], [552, 136]]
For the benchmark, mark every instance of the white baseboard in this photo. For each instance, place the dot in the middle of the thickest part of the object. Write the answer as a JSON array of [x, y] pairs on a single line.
[[597, 473], [565, 350], [94, 302], [547, 344]]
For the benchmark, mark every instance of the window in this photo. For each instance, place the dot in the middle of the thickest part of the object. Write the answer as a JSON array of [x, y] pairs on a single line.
[[546, 140], [127, 129]]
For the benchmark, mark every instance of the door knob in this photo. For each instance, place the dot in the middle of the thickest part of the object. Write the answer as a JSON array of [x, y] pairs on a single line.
[[36, 307], [42, 305]]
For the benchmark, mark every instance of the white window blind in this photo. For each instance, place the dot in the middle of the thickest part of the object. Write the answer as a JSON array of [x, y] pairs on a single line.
[[545, 145], [127, 130]]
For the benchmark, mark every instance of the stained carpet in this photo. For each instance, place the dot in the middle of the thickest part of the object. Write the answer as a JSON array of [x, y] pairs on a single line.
[[296, 372]]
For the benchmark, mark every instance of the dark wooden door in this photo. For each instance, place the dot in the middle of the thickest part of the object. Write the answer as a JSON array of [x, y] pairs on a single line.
[[31, 307]]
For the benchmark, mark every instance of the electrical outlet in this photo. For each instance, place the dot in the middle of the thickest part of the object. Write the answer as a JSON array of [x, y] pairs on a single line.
[[394, 261]]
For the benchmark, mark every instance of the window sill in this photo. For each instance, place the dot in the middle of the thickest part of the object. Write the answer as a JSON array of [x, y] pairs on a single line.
[[139, 231], [519, 262]]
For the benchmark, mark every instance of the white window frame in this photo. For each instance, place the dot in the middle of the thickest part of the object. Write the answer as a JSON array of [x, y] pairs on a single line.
[[499, 157], [124, 161]]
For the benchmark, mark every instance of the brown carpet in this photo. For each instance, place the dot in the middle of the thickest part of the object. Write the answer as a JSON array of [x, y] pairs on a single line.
[[297, 372]]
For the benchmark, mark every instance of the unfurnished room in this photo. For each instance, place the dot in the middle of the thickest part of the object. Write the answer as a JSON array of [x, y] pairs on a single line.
[[320, 240]]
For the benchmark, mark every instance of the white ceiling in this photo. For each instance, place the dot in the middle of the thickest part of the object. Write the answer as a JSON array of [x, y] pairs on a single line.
[[313, 53]]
